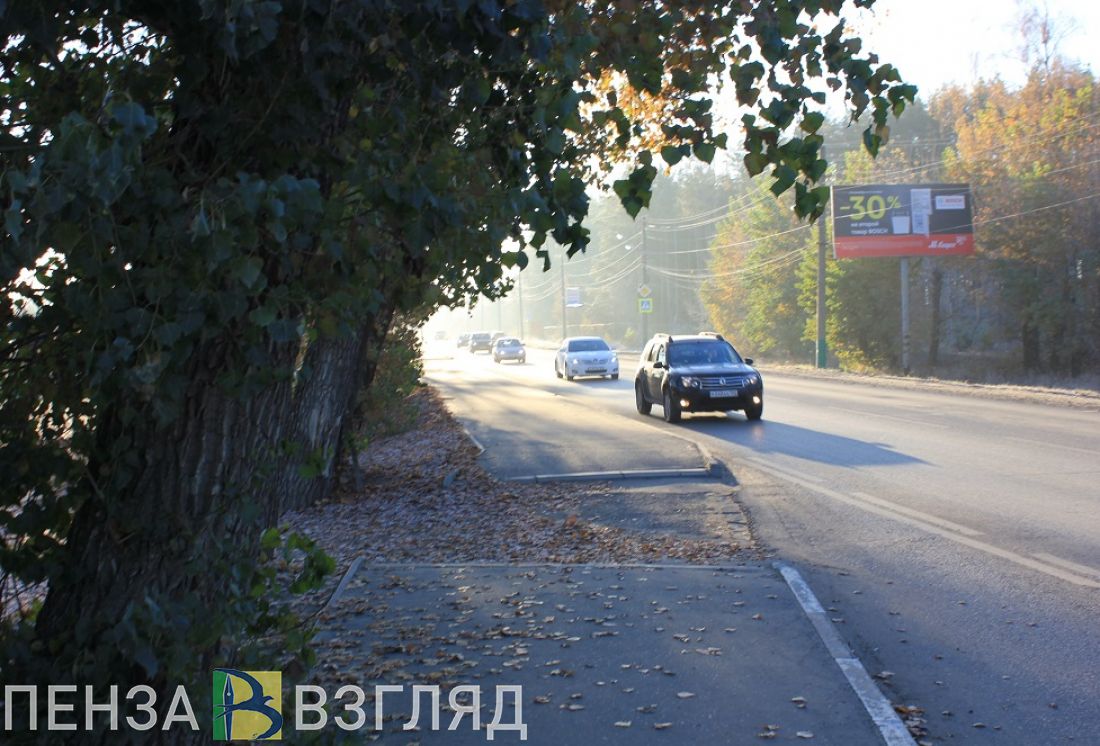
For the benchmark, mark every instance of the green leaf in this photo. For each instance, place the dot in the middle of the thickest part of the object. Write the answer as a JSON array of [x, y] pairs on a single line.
[[248, 270], [704, 151], [784, 177], [133, 120], [812, 121], [671, 154], [270, 539], [262, 315], [755, 163], [200, 226]]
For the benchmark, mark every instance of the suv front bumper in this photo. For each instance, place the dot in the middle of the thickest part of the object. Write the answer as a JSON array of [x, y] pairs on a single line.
[[701, 400]]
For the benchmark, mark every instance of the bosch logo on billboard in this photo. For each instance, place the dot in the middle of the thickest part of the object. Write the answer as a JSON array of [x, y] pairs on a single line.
[[902, 220]]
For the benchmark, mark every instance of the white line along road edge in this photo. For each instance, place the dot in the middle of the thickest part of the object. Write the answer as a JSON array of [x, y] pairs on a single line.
[[946, 529], [893, 731]]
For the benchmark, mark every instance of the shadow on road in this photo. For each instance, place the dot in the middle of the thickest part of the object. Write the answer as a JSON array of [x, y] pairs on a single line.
[[799, 442]]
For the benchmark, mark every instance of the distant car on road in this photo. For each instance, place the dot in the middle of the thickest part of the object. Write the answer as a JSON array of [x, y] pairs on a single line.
[[585, 356], [697, 373], [463, 340], [509, 348], [498, 335], [481, 341]]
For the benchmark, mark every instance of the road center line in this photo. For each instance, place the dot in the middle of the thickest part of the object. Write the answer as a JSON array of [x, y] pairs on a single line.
[[909, 420], [1048, 444], [1014, 557]]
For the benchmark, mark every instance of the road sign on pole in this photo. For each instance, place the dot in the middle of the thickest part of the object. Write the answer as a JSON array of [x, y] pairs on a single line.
[[644, 291], [645, 305]]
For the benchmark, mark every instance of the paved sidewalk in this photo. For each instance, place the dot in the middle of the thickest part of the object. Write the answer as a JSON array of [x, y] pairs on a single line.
[[605, 654]]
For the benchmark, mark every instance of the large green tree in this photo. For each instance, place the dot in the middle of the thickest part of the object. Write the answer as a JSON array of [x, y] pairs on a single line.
[[214, 208]]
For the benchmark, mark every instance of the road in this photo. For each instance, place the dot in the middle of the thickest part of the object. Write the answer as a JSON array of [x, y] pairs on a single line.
[[955, 539]]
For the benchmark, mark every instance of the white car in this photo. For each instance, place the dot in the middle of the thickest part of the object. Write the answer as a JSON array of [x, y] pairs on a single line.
[[585, 356]]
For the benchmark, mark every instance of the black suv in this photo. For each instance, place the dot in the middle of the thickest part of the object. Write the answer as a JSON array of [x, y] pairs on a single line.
[[481, 341], [697, 373]]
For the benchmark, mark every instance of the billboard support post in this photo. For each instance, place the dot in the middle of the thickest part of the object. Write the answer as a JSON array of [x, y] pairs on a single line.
[[905, 315]]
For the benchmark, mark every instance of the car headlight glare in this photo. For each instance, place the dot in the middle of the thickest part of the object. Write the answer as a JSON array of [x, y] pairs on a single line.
[[576, 361], [689, 381], [752, 380]]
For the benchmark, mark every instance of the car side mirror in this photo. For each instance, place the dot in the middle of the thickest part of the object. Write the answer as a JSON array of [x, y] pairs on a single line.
[[748, 361], [658, 365]]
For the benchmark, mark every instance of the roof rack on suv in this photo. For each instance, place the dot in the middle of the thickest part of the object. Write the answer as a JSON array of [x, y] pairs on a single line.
[[716, 335]]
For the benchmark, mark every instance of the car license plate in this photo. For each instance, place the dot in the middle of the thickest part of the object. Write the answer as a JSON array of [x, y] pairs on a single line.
[[723, 394]]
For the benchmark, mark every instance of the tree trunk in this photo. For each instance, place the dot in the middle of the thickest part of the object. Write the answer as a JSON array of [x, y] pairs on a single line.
[[335, 371], [145, 576]]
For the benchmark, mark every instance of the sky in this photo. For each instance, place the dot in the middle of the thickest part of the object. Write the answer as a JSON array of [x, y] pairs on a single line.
[[939, 42]]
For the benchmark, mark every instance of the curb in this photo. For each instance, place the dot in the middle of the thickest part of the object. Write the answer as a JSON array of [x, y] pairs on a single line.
[[343, 584], [602, 476], [890, 727], [477, 443]]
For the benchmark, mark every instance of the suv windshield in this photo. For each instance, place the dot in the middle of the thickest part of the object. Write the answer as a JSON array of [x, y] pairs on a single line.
[[507, 342], [587, 345], [702, 353]]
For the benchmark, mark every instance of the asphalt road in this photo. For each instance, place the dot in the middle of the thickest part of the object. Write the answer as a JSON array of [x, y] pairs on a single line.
[[956, 539]]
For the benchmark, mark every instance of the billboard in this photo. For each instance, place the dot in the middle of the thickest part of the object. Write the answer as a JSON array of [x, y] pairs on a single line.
[[902, 220]]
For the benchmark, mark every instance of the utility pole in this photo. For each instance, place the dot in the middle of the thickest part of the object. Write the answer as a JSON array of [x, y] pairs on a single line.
[[519, 296], [822, 242], [564, 326], [645, 316]]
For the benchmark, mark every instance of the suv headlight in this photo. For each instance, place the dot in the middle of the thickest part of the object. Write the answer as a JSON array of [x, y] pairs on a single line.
[[752, 380], [576, 361], [689, 382]]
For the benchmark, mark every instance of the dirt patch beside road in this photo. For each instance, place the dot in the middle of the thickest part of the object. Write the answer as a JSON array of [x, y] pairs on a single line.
[[425, 498]]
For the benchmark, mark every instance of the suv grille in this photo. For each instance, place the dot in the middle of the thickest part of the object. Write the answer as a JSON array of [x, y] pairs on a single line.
[[722, 382]]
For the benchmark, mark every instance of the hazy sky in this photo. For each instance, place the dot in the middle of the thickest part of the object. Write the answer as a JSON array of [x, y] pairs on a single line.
[[936, 42]]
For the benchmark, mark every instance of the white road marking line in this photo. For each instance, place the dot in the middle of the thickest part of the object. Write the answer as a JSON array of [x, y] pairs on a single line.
[[890, 727], [909, 420], [1048, 444], [763, 464], [1083, 569], [941, 522], [1014, 557]]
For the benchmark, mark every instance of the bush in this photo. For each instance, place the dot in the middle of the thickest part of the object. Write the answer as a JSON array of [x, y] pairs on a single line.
[[384, 408]]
